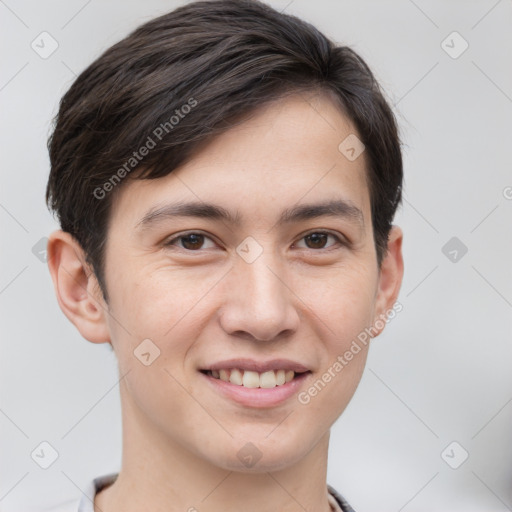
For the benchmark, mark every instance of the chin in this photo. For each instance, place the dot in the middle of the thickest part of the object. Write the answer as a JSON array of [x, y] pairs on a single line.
[[263, 453]]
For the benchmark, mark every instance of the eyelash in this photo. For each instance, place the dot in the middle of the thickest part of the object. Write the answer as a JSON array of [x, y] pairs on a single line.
[[339, 240]]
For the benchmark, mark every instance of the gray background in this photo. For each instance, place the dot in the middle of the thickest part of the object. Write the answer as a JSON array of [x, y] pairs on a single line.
[[441, 370]]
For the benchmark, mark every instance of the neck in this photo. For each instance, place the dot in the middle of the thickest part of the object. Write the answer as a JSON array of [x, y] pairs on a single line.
[[160, 475]]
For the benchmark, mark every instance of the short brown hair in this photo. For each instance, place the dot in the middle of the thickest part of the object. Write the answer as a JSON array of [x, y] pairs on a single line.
[[207, 63]]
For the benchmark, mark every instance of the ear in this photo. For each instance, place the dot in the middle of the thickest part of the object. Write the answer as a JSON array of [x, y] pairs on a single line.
[[390, 279], [77, 288]]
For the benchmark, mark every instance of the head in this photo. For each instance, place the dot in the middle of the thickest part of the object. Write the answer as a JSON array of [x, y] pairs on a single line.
[[226, 179]]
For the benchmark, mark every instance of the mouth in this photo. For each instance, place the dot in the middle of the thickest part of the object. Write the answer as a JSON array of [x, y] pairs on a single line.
[[253, 379], [256, 384]]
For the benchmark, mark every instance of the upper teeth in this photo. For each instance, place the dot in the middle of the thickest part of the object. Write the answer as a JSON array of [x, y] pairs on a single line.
[[250, 379]]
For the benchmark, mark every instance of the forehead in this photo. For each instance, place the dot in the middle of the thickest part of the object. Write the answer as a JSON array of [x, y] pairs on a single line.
[[285, 154]]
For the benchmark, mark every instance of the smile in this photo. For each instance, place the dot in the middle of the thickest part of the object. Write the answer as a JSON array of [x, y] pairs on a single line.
[[252, 379], [256, 384]]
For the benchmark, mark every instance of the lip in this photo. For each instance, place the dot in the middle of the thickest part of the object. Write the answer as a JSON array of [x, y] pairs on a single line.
[[258, 398]]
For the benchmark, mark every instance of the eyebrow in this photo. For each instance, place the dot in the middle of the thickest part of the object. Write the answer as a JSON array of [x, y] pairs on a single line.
[[335, 208]]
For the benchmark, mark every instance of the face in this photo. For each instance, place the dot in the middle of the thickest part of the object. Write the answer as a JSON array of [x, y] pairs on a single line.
[[251, 270]]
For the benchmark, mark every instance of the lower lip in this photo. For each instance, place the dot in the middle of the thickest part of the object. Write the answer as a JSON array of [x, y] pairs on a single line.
[[257, 397]]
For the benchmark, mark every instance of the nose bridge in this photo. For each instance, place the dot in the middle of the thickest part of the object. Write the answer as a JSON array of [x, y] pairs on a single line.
[[260, 303], [263, 281]]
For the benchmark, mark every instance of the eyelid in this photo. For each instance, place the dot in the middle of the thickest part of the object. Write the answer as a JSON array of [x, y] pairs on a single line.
[[169, 242], [342, 240], [324, 231]]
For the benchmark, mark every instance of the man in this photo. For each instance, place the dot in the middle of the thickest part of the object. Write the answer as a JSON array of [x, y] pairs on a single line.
[[226, 179]]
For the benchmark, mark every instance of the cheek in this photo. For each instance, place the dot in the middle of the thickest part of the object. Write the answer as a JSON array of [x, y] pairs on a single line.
[[163, 306], [329, 394], [342, 299], [341, 309], [155, 302]]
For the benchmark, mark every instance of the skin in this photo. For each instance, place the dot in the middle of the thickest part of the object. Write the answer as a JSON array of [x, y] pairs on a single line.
[[300, 299]]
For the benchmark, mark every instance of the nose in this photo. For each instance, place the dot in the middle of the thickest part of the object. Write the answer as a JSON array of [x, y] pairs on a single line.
[[260, 304]]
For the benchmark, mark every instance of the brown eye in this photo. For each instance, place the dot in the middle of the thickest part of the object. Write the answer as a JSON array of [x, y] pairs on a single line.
[[190, 241], [319, 240], [316, 240]]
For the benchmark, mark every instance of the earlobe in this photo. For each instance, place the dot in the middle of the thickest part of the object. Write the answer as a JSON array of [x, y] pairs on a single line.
[[390, 278], [76, 287]]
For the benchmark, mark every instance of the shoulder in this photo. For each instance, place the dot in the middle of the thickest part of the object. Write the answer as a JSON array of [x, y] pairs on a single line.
[[340, 501], [84, 503]]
